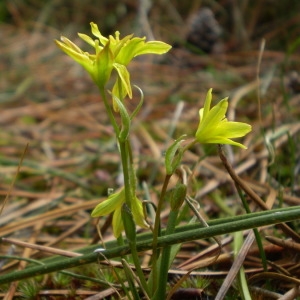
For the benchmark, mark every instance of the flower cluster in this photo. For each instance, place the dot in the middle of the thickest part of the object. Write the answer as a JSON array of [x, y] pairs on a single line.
[[111, 53]]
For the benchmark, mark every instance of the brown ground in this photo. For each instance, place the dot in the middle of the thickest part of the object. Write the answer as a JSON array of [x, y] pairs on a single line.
[[54, 123]]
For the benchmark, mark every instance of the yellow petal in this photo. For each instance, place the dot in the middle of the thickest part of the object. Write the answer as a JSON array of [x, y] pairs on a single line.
[[96, 32], [153, 47], [109, 205], [117, 222], [233, 129], [87, 39], [207, 103], [124, 76], [138, 214]]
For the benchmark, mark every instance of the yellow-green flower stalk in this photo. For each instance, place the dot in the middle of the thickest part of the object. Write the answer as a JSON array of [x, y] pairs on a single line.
[[113, 204], [214, 128], [111, 53]]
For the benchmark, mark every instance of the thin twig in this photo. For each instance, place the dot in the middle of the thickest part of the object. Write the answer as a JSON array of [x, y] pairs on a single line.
[[243, 185], [41, 248]]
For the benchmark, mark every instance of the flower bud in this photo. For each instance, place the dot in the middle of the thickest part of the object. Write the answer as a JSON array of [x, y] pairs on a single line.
[[178, 196]]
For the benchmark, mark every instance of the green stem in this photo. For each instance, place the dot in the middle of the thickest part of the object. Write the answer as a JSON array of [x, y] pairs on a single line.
[[156, 233], [138, 267], [191, 232], [130, 230], [129, 182], [165, 259], [128, 173], [121, 280], [256, 232], [109, 112], [241, 279]]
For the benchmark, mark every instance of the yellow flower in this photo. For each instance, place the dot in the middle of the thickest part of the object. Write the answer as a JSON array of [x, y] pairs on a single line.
[[215, 128], [113, 204], [111, 53]]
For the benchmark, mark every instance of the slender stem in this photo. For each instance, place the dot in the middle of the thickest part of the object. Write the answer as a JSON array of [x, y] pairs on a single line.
[[130, 190], [109, 111], [129, 182], [195, 232], [127, 172], [138, 267], [119, 279], [154, 278], [239, 187], [255, 230], [241, 278], [165, 259], [156, 233], [124, 151]]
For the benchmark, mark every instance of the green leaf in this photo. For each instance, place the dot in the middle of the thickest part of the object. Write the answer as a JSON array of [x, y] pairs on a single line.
[[125, 118], [137, 109]]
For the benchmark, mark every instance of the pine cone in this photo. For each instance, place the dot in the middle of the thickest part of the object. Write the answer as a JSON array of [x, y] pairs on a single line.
[[204, 31]]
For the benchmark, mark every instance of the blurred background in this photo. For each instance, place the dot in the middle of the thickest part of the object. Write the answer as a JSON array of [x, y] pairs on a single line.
[[49, 101], [243, 23], [247, 50]]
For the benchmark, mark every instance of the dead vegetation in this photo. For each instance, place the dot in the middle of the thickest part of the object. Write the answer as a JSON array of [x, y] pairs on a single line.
[[54, 127]]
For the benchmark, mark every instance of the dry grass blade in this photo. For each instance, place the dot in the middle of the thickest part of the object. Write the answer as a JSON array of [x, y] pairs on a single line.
[[40, 248], [291, 294], [284, 243], [47, 216], [48, 103], [102, 294], [14, 180]]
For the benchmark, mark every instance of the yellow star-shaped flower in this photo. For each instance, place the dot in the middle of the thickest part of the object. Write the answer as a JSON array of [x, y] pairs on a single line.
[[215, 128], [111, 53]]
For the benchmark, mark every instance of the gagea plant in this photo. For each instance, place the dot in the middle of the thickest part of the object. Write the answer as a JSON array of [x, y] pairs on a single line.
[[113, 54]]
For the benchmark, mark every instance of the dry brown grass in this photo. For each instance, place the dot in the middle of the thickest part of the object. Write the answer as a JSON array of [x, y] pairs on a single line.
[[49, 103]]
